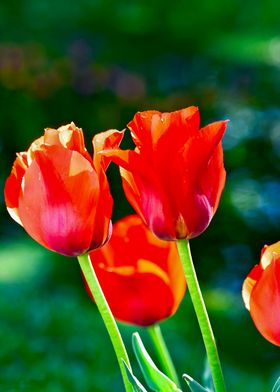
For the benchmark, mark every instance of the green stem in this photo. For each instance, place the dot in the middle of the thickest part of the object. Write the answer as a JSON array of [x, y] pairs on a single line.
[[106, 315], [202, 316], [163, 353]]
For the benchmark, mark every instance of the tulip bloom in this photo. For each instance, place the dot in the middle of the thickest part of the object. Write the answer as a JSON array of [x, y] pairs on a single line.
[[175, 176], [261, 293], [140, 275], [59, 194]]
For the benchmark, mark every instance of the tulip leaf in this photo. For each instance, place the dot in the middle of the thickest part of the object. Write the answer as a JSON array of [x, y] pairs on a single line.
[[207, 377], [155, 379], [194, 385], [276, 387], [136, 385]]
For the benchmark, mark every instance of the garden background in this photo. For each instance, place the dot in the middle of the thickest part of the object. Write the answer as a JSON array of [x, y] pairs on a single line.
[[96, 63]]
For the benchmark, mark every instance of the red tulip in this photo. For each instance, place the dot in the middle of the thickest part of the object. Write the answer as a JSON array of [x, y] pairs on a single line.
[[140, 275], [175, 176], [59, 194], [261, 293]]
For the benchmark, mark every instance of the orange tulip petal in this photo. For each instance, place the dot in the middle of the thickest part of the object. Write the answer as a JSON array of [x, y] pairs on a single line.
[[265, 303], [175, 176], [13, 186], [152, 130], [142, 298], [144, 191], [13, 183], [213, 180], [68, 136], [58, 200], [249, 284], [145, 272], [108, 140], [103, 212], [103, 141], [195, 180]]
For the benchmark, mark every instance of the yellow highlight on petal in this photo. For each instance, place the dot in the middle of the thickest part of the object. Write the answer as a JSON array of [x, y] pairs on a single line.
[[271, 252], [78, 164], [143, 267], [247, 288], [146, 266]]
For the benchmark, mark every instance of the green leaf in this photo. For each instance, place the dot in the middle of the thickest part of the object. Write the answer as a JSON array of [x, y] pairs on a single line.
[[136, 384], [276, 387], [155, 379], [207, 377], [194, 385]]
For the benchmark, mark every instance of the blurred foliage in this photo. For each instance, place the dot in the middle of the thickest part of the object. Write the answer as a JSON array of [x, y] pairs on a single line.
[[96, 63]]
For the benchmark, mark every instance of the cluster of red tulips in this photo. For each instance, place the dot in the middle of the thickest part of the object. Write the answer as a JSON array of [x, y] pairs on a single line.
[[136, 270]]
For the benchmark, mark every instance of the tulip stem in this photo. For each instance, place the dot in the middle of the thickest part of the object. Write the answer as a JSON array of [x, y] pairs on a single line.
[[202, 316], [107, 316], [163, 353]]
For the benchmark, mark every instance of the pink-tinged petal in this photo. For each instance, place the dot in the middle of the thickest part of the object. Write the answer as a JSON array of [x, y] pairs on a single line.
[[146, 196], [57, 205], [143, 190], [195, 216], [192, 210], [265, 303]]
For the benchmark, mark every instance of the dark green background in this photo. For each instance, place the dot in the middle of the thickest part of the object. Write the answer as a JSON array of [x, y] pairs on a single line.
[[96, 63]]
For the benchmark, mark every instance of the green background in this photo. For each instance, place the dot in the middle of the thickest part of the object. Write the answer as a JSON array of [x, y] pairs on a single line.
[[96, 63]]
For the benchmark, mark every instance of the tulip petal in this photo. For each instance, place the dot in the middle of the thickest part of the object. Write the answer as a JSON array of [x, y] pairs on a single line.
[[151, 204], [145, 272], [213, 180], [249, 284], [176, 275], [108, 140], [103, 141], [144, 191], [175, 176], [144, 297], [198, 151], [68, 136], [58, 200], [196, 179], [13, 186], [265, 303], [269, 253], [152, 130]]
